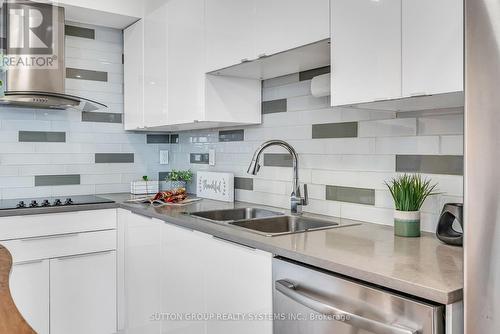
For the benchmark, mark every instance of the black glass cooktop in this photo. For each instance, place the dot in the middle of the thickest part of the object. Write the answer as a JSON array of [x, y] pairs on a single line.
[[61, 201]]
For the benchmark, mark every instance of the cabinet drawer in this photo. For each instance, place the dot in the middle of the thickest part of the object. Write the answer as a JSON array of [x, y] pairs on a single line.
[[18, 227], [47, 247]]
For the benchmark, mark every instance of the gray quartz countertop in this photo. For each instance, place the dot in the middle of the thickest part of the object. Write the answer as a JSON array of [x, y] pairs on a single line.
[[422, 267]]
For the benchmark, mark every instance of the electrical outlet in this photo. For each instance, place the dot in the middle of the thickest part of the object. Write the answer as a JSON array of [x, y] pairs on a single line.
[[163, 157]]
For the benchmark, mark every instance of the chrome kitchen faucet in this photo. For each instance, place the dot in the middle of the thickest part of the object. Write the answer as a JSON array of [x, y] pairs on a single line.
[[296, 201]]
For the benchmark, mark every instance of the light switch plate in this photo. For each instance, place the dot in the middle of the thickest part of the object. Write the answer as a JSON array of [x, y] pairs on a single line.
[[211, 157], [163, 157]]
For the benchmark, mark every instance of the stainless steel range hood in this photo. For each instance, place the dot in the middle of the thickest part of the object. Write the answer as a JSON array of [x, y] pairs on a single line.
[[30, 84]]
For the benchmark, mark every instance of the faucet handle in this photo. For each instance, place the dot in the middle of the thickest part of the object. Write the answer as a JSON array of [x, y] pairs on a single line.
[[305, 200]]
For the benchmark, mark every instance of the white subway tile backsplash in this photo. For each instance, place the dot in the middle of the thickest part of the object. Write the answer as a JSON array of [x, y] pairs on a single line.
[[100, 179], [301, 88], [452, 145], [452, 124], [328, 208], [26, 125], [285, 133], [371, 180], [367, 213], [271, 187], [376, 163], [102, 56], [9, 171], [307, 102], [280, 201], [388, 128], [284, 174], [16, 181], [407, 145]]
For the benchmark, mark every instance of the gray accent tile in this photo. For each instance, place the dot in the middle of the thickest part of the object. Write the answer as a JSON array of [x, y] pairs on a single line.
[[281, 81], [231, 135], [163, 175], [102, 117], [174, 139], [70, 30], [430, 164], [277, 160], [104, 158], [158, 139], [244, 183], [274, 106], [42, 137], [77, 73], [308, 75], [335, 130], [198, 158], [56, 180], [350, 195]]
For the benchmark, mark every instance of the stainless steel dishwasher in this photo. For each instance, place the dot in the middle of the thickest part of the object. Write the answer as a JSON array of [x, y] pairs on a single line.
[[309, 301]]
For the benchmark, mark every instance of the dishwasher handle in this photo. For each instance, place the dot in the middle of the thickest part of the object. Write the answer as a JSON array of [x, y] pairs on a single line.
[[357, 321]]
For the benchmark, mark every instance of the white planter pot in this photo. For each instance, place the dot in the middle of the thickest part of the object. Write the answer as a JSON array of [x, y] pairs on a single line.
[[407, 223]]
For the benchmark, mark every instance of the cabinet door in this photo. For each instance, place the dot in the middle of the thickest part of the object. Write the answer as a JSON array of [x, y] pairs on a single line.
[[133, 76], [185, 60], [239, 280], [287, 24], [366, 50], [29, 286], [83, 294], [230, 32], [432, 46], [142, 273], [184, 274], [155, 64]]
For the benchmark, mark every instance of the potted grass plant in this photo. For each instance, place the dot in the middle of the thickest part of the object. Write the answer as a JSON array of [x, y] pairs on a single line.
[[409, 192], [179, 178]]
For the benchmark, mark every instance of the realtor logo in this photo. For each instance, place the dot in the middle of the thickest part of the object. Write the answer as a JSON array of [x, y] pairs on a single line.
[[31, 31]]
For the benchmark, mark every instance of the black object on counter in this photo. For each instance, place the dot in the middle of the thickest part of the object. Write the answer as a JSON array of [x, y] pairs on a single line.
[[445, 231]]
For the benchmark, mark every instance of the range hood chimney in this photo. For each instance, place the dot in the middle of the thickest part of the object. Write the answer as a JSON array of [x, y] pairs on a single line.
[[34, 49]]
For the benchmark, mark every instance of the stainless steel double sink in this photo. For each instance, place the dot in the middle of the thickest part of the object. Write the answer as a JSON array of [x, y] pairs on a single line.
[[264, 222]]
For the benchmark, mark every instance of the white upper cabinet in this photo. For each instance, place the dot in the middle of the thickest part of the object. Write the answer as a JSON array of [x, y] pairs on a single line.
[[155, 64], [393, 49], [244, 30], [185, 60], [174, 93], [230, 32], [286, 24], [133, 76], [365, 50], [432, 46]]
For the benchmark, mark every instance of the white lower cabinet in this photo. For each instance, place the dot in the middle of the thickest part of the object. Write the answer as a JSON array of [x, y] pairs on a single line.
[[238, 281], [83, 294], [29, 287], [183, 278], [64, 275], [179, 281], [142, 272]]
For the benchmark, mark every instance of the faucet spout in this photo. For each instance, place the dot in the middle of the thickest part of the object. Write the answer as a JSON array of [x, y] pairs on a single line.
[[296, 200]]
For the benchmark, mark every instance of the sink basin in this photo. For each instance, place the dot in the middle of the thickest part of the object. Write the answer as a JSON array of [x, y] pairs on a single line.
[[284, 225], [232, 215]]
